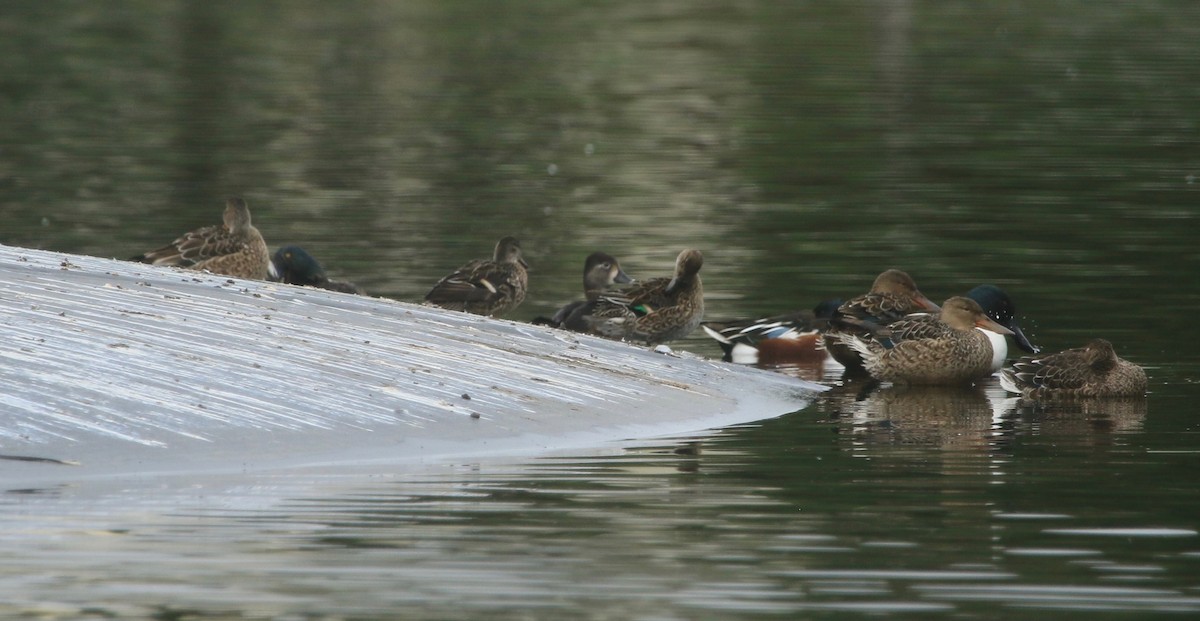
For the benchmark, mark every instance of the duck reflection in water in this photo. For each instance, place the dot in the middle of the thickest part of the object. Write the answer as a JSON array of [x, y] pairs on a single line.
[[1094, 419], [953, 417]]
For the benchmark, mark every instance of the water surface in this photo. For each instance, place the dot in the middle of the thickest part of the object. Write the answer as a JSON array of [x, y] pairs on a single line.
[[1050, 148]]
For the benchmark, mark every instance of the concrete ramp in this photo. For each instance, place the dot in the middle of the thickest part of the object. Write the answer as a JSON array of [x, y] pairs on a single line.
[[110, 368]]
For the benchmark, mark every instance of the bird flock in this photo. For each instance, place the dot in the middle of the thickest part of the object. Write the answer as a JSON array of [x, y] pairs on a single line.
[[892, 333]]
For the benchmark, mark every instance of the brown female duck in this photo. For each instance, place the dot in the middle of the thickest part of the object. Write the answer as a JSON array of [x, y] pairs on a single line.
[[600, 272], [946, 348], [1093, 370], [485, 286], [234, 248], [893, 295], [656, 310]]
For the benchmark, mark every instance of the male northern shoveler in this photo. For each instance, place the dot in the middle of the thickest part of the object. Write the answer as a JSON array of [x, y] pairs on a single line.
[[996, 303], [293, 265], [931, 349], [234, 248], [485, 286], [600, 272], [791, 338], [893, 295], [656, 310], [794, 338], [1093, 370]]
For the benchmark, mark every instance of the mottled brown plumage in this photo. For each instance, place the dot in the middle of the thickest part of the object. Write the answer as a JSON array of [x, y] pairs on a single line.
[[600, 272], [485, 286], [893, 295], [234, 248], [656, 310], [931, 349], [1093, 370]]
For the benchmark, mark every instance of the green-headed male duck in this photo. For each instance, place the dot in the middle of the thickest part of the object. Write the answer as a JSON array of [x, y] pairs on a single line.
[[294, 266], [1000, 307]]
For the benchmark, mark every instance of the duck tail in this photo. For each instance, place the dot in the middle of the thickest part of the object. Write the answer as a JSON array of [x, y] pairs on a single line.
[[1008, 380], [858, 344], [727, 345], [542, 320], [716, 335]]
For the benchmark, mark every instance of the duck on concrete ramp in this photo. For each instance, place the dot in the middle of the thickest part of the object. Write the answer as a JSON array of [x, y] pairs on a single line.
[[110, 368]]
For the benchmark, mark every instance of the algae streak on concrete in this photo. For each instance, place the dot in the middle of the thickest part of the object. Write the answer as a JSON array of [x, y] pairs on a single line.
[[109, 367]]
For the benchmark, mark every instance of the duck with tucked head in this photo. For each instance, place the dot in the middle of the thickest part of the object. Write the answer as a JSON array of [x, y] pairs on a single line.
[[234, 248], [485, 286], [893, 295], [795, 338], [1093, 370], [653, 311], [600, 272], [947, 348], [790, 338], [293, 265]]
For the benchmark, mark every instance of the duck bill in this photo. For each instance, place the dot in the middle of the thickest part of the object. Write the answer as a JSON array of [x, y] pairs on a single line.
[[622, 278], [1021, 339], [523, 263], [672, 285], [987, 323], [926, 303]]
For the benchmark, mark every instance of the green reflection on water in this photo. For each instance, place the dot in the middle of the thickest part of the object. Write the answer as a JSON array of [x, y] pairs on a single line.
[[1049, 147]]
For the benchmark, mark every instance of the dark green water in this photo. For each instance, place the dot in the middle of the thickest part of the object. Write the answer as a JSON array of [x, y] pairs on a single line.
[[1052, 148]]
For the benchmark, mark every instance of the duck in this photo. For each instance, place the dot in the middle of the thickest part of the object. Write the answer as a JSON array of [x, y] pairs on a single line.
[[1000, 307], [653, 311], [924, 348], [293, 265], [1093, 370], [600, 272], [490, 287], [234, 248], [893, 295], [790, 338]]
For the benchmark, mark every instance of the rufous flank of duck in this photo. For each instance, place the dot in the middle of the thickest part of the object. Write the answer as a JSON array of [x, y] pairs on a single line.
[[654, 311], [601, 271], [1000, 307], [485, 286], [293, 265], [893, 295], [787, 339], [1093, 370], [924, 348], [794, 338], [234, 248]]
